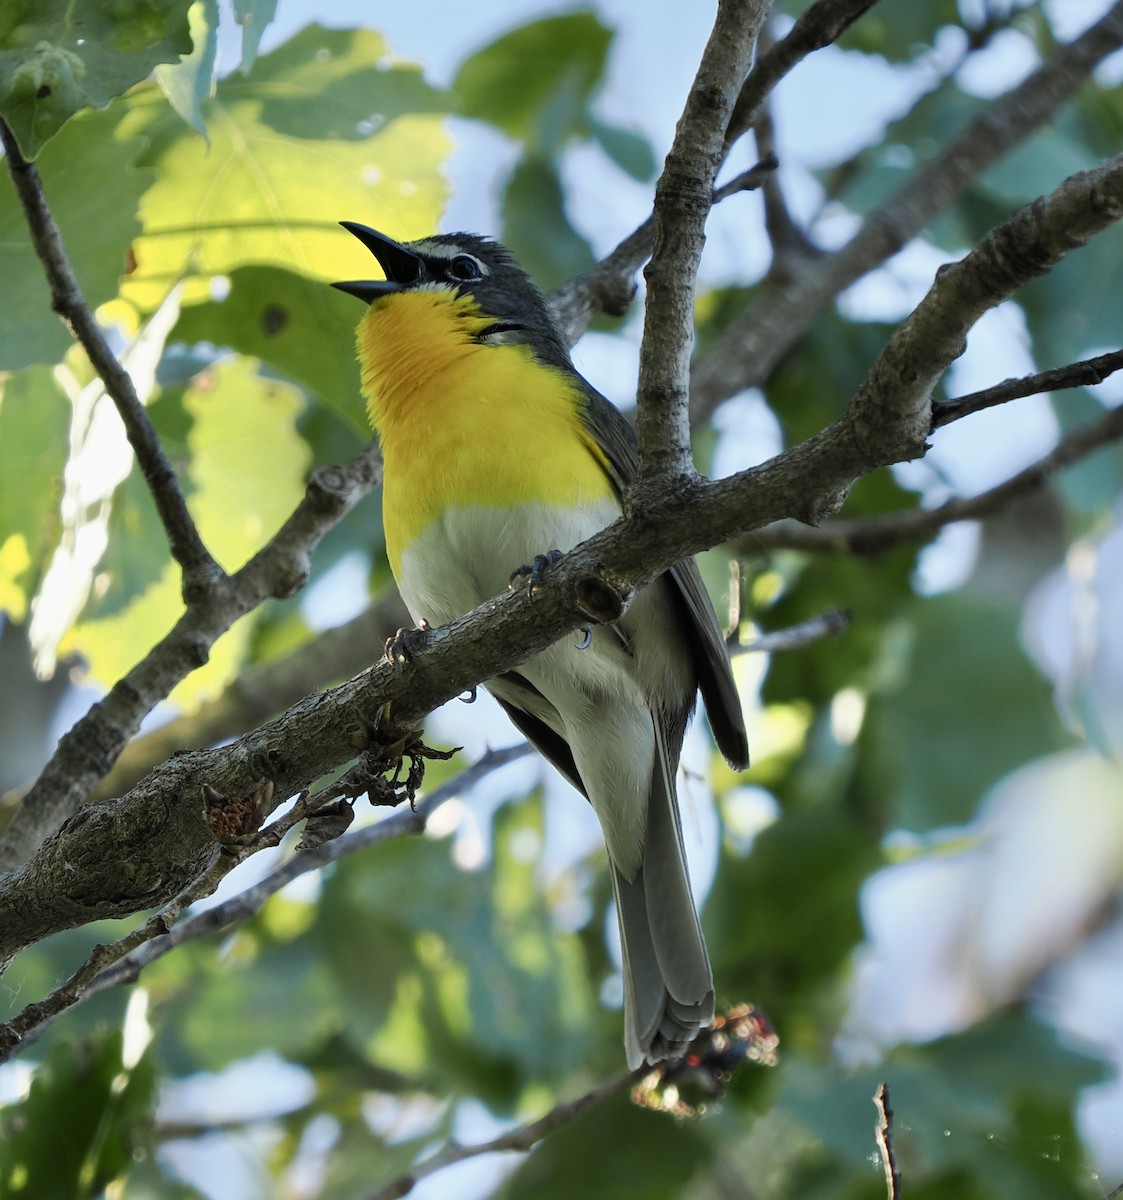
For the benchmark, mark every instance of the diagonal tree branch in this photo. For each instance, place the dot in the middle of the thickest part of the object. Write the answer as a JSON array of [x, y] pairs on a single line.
[[198, 566], [87, 751]]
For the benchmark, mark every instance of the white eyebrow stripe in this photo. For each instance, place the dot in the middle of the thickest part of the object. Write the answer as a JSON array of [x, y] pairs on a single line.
[[447, 252]]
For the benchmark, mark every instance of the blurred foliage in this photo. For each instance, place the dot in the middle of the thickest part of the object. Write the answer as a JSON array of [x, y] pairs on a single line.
[[427, 984]]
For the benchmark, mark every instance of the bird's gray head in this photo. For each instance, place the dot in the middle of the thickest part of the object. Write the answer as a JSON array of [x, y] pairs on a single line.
[[468, 265]]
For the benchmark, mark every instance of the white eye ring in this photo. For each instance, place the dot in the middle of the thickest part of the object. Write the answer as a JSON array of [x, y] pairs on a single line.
[[465, 268]]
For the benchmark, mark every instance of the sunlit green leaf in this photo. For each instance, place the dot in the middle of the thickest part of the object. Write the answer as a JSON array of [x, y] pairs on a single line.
[[315, 134], [247, 474], [460, 972], [34, 420], [298, 325], [59, 56]]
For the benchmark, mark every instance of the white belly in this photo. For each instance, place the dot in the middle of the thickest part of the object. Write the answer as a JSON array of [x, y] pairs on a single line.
[[598, 699], [467, 555]]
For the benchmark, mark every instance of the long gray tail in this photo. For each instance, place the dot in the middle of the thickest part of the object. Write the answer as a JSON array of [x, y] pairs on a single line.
[[668, 984]]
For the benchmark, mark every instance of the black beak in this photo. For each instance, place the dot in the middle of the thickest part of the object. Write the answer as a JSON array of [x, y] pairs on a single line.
[[403, 268]]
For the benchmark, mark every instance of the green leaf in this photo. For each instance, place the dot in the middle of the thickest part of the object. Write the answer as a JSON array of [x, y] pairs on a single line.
[[34, 426], [782, 922], [105, 1108], [191, 81], [1035, 166], [1071, 311], [959, 707], [253, 16], [97, 224], [226, 1009], [296, 146], [60, 56], [536, 228], [462, 974], [535, 83], [298, 325], [631, 152]]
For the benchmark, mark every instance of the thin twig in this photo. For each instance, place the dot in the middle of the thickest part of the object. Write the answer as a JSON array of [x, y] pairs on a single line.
[[1086, 373], [198, 566], [821, 24], [878, 534], [122, 961], [796, 637], [883, 1133], [522, 1138]]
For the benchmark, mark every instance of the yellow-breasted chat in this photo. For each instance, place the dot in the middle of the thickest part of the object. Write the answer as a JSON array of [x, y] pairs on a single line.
[[496, 450]]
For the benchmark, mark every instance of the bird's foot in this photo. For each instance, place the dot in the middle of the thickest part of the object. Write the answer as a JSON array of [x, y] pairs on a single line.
[[403, 645], [534, 573]]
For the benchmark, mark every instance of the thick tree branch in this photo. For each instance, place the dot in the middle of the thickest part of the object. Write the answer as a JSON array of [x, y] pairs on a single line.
[[86, 752], [683, 197], [195, 560], [747, 353], [122, 961]]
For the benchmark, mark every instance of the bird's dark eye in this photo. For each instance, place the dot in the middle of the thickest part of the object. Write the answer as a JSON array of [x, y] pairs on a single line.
[[465, 268]]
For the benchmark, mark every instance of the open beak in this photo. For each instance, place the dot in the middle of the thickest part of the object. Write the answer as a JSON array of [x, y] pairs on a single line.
[[403, 268]]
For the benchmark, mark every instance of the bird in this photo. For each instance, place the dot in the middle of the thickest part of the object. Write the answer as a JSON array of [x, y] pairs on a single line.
[[497, 453]]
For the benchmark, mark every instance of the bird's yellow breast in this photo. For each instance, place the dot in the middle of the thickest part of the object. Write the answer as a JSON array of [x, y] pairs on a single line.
[[462, 423]]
